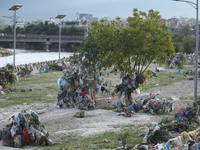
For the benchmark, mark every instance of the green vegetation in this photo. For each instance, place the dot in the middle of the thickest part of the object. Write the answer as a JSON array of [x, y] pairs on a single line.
[[108, 139], [6, 76], [183, 98], [44, 29], [5, 52], [166, 77], [184, 41], [45, 90], [192, 97], [169, 98], [40, 78], [132, 49], [38, 95]]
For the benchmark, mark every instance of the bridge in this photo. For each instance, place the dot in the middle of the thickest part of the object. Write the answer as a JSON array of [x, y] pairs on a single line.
[[46, 39]]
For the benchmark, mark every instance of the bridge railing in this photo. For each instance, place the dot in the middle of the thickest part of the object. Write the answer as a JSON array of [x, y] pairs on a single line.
[[44, 36]]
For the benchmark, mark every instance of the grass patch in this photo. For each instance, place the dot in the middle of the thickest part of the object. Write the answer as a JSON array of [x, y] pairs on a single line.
[[43, 93], [165, 77], [169, 98], [183, 98], [192, 97], [96, 142], [110, 108], [40, 78], [38, 95]]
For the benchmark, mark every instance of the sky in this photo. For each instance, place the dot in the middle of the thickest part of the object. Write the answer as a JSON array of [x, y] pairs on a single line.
[[44, 9]]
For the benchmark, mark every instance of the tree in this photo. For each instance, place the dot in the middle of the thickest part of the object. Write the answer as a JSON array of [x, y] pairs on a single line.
[[8, 30], [2, 24], [87, 56], [178, 47], [186, 31], [146, 40], [178, 42], [44, 29], [188, 45], [19, 30]]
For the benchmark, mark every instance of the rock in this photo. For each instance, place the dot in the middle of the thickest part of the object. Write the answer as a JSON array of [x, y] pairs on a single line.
[[106, 141]]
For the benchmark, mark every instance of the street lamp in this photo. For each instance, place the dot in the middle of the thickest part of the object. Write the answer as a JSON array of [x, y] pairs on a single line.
[[60, 17], [15, 8], [195, 5]]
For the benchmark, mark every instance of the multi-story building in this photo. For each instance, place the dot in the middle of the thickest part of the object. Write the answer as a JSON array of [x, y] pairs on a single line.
[[82, 17], [21, 23], [186, 21], [38, 21], [173, 23]]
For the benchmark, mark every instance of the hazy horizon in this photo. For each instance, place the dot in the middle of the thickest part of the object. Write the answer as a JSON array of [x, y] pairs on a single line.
[[43, 9]]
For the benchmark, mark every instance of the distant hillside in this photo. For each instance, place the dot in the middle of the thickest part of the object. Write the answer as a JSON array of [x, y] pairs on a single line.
[[4, 52]]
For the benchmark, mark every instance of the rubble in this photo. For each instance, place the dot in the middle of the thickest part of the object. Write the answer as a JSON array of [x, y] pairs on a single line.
[[150, 104]]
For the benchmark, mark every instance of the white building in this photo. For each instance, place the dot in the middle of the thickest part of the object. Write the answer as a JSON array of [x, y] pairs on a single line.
[[82, 17], [20, 23], [186, 21]]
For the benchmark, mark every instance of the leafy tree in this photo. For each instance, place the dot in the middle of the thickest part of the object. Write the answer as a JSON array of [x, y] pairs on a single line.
[[188, 45], [178, 47], [8, 30], [19, 30], [87, 55], [44, 29], [147, 40], [186, 31], [177, 38], [178, 42]]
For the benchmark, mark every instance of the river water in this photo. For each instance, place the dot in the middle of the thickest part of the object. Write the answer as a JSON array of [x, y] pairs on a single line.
[[31, 56]]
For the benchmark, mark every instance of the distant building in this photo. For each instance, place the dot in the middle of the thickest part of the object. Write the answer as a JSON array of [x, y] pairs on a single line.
[[82, 17], [186, 21], [173, 23], [20, 23], [71, 23], [38, 21]]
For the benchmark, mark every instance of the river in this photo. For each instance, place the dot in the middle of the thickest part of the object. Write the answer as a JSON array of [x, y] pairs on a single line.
[[31, 56]]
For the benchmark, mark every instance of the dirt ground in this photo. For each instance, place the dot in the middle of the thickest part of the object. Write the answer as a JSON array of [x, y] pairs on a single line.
[[61, 123]]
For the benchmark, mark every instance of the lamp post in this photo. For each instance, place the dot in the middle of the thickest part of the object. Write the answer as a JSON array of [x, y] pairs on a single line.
[[196, 6], [15, 8], [60, 17]]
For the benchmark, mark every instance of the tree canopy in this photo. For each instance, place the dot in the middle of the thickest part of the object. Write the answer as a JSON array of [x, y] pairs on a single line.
[[44, 29], [146, 40], [87, 55]]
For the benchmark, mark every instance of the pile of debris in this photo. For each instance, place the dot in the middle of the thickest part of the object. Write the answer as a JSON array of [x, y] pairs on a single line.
[[25, 129], [187, 140], [150, 104], [74, 89], [185, 122], [128, 85], [6, 76], [177, 61]]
